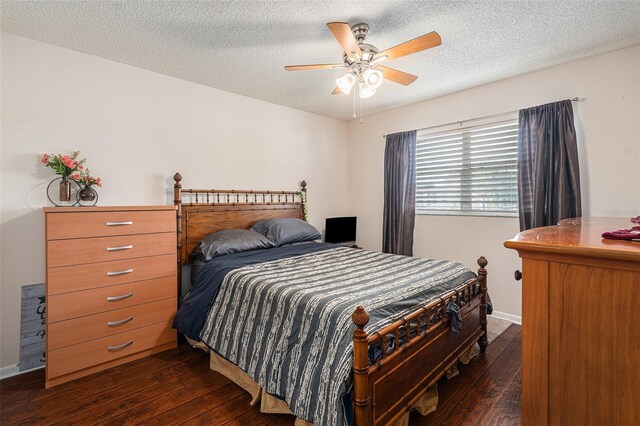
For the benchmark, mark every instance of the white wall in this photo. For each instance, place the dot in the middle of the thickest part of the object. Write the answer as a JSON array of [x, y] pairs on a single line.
[[136, 129], [608, 126]]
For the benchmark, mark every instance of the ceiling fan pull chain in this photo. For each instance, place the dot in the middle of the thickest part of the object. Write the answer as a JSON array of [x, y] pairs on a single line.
[[360, 109], [354, 104]]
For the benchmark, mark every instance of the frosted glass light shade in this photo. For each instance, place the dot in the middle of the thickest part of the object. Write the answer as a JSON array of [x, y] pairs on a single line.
[[346, 82], [373, 78], [366, 91]]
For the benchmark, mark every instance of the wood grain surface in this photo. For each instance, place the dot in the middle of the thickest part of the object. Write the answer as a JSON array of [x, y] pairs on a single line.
[[96, 223], [581, 333]]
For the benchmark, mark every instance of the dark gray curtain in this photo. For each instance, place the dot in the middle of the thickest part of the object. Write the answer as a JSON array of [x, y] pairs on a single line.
[[548, 172], [399, 193]]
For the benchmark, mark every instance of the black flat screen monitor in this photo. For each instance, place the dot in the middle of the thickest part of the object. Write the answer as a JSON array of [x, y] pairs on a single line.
[[340, 229]]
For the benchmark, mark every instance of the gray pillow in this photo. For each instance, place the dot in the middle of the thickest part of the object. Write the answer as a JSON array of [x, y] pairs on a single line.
[[287, 230], [230, 241]]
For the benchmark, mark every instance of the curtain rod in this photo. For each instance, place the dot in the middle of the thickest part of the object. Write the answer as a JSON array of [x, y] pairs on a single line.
[[500, 114]]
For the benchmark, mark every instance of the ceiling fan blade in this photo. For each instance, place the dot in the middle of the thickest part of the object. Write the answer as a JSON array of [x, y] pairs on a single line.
[[337, 91], [342, 32], [418, 44], [313, 67], [401, 77]]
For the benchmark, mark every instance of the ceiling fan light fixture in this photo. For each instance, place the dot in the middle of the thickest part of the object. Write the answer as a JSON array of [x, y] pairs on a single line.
[[362, 60], [346, 82], [373, 78], [366, 91]]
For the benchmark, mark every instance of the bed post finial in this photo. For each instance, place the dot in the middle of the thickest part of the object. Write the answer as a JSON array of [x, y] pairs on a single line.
[[361, 402], [360, 317], [303, 186], [177, 201], [482, 279]]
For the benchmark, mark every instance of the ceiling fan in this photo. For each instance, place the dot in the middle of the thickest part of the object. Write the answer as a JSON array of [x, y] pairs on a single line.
[[364, 60]]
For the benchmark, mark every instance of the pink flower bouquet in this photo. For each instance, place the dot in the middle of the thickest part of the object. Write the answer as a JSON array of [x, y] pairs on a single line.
[[85, 178], [64, 165]]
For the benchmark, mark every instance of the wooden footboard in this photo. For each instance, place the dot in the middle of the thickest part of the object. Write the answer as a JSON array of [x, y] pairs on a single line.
[[424, 349]]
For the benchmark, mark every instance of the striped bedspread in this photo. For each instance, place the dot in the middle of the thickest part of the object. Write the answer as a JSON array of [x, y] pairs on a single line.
[[287, 323]]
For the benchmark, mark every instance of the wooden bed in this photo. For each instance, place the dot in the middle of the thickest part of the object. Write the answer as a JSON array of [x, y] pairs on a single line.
[[385, 391]]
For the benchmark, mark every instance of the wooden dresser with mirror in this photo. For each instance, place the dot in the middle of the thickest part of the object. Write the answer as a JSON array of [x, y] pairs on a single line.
[[580, 324]]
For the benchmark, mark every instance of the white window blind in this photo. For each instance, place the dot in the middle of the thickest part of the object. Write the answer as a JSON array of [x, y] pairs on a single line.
[[468, 171]]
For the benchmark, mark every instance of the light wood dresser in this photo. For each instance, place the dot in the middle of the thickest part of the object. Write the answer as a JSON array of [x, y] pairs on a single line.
[[111, 289], [580, 324]]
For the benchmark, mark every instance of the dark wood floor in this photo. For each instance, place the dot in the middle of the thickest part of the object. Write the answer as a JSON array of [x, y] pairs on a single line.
[[177, 387]]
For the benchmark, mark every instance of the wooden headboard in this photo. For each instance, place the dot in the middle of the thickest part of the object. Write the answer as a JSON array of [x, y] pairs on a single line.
[[204, 211]]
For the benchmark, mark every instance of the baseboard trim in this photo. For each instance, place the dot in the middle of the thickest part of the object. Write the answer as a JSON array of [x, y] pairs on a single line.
[[12, 370], [509, 317]]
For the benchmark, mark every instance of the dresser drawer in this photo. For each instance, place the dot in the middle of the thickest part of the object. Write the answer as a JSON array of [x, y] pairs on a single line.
[[93, 275], [76, 357], [104, 224], [103, 249], [79, 330], [65, 306]]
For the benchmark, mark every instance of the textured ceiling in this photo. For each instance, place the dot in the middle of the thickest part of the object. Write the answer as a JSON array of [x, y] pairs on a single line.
[[242, 46]]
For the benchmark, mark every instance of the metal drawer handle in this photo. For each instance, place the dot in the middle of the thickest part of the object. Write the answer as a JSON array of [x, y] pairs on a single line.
[[130, 222], [119, 347], [114, 298], [126, 271], [116, 323], [130, 246]]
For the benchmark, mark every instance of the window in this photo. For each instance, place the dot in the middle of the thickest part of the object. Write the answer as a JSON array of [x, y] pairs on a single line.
[[468, 171]]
